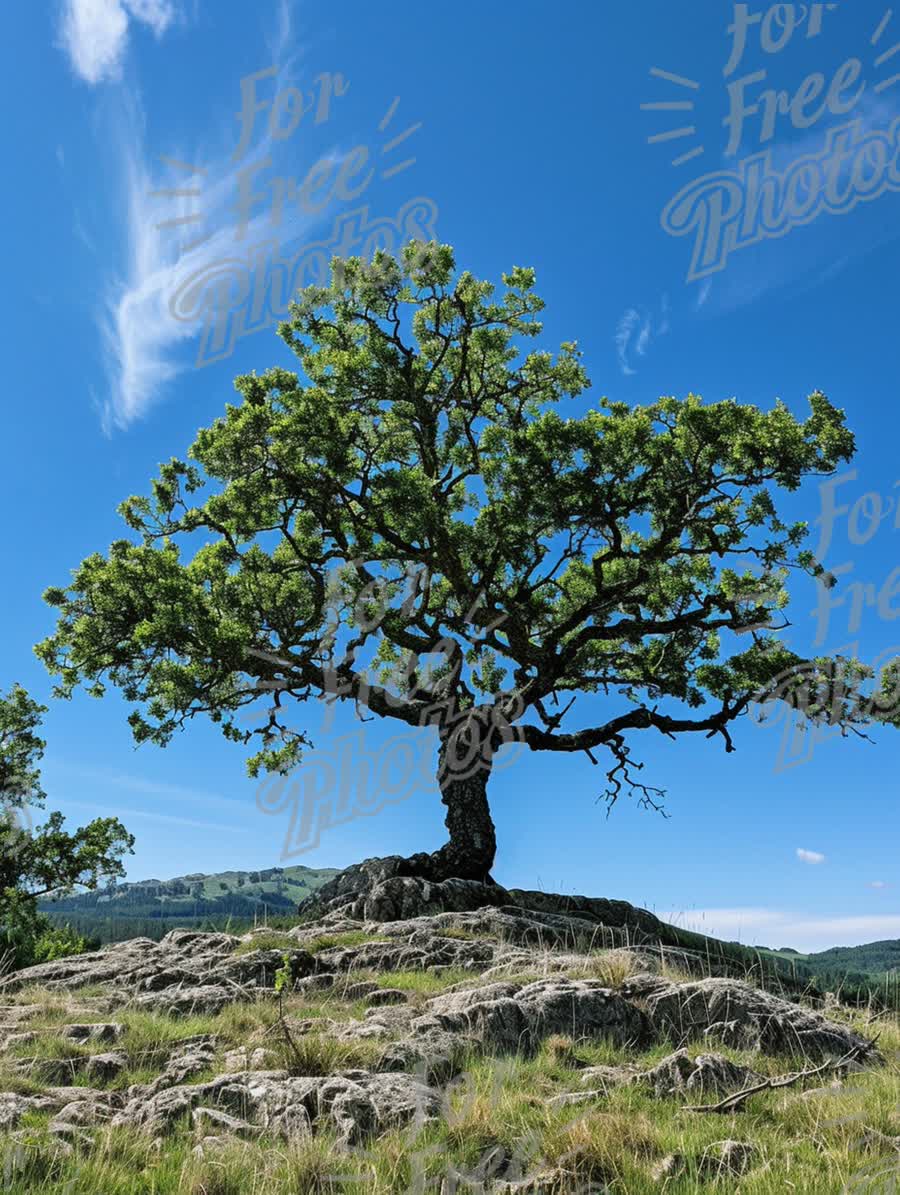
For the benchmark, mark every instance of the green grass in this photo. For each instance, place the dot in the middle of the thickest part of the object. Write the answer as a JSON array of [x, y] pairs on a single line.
[[280, 940], [271, 940], [808, 1143], [425, 982], [351, 937], [464, 935], [322, 1054]]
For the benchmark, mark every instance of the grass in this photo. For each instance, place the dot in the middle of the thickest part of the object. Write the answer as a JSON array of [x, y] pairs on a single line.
[[464, 935], [350, 937], [322, 1054], [804, 1141], [281, 940], [270, 940], [806, 1145]]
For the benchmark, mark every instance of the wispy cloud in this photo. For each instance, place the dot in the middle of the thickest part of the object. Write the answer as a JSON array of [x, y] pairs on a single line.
[[773, 927], [144, 344], [809, 856], [624, 330], [635, 331], [878, 884], [94, 33], [163, 818], [664, 318], [819, 250], [703, 293], [109, 778]]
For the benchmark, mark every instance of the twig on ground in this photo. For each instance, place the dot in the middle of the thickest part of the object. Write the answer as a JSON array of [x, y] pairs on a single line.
[[738, 1097]]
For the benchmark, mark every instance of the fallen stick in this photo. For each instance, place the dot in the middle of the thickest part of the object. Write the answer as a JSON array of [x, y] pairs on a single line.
[[738, 1097]]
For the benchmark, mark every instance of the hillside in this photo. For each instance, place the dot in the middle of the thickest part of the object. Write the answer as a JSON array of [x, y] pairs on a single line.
[[238, 900], [444, 1037], [150, 908], [871, 958]]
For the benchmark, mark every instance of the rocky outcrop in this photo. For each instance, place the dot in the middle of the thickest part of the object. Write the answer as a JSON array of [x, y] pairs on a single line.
[[186, 972], [376, 890], [677, 1074], [743, 1017], [356, 1105], [416, 979]]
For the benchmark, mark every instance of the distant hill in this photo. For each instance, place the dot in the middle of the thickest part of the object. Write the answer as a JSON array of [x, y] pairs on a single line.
[[872, 958], [150, 908]]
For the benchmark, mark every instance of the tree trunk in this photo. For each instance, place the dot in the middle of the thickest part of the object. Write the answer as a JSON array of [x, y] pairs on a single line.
[[462, 775]]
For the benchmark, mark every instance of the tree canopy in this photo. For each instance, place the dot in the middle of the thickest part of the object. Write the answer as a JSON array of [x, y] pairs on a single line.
[[49, 859], [635, 552]]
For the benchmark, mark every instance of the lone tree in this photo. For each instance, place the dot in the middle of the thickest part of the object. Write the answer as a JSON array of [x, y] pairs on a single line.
[[632, 552]]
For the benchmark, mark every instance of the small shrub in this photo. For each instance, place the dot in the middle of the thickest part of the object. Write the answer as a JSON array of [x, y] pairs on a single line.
[[61, 942]]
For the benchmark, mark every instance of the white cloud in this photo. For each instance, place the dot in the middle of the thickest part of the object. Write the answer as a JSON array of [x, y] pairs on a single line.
[[624, 329], [878, 884], [773, 927], [664, 307], [809, 856], [94, 33], [143, 341], [158, 14], [635, 331], [111, 778], [703, 293], [164, 818]]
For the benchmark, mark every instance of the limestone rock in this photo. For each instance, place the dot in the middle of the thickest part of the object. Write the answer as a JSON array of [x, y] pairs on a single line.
[[103, 1067], [743, 1014], [289, 1107], [382, 996], [707, 1074], [101, 1032]]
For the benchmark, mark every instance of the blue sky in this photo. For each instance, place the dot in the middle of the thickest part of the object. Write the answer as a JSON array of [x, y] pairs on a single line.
[[520, 142]]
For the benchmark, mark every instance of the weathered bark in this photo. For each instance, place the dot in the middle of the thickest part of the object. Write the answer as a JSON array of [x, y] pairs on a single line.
[[463, 775]]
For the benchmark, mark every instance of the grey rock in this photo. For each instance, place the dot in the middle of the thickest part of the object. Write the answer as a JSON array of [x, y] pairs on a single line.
[[727, 1158], [384, 996], [12, 1109], [686, 1011], [95, 1108], [214, 1119], [246, 1059], [678, 1074], [191, 1001], [357, 991], [71, 1134], [186, 971], [707, 1074], [106, 1032], [374, 890], [416, 952], [501, 1017], [315, 983], [509, 1017], [53, 1099], [604, 1078], [290, 1107], [103, 1067]]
